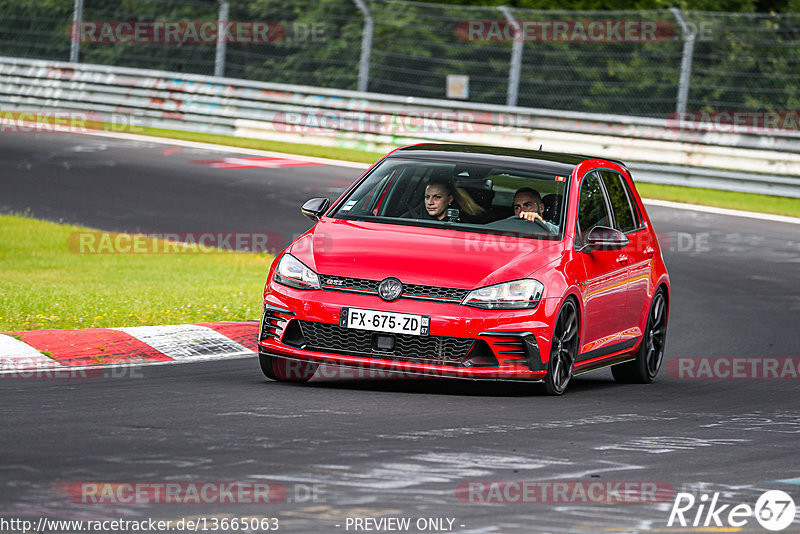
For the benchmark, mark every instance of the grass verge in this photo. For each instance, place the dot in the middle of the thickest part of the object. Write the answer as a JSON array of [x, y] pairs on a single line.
[[43, 284], [721, 199], [689, 195]]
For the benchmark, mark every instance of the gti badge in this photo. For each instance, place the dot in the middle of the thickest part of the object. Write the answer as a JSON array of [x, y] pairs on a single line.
[[390, 289]]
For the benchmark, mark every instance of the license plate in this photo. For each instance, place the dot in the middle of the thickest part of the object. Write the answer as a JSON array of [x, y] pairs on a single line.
[[380, 321]]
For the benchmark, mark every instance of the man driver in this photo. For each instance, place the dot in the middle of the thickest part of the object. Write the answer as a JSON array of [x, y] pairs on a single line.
[[528, 205]]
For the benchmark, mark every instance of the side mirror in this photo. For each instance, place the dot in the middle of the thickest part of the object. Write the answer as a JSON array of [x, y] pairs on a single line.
[[314, 208], [604, 238]]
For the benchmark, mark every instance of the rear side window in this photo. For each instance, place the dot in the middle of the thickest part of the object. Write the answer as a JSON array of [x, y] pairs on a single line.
[[592, 209], [620, 199]]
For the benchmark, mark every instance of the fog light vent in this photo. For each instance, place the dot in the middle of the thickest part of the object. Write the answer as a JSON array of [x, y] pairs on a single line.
[[480, 356]]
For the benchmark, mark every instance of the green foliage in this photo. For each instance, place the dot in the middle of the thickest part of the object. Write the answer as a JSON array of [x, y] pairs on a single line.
[[744, 57], [626, 5]]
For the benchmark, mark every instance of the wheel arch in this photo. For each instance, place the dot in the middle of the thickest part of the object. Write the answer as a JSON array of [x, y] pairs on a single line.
[[573, 295], [664, 284]]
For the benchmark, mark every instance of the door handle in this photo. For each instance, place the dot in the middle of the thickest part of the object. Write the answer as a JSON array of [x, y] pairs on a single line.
[[650, 251], [623, 259]]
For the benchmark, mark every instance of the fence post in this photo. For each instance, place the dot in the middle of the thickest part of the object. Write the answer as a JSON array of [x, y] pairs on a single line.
[[77, 17], [689, 35], [516, 57], [366, 46], [219, 60]]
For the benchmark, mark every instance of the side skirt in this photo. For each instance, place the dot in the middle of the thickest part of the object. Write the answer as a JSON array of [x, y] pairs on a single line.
[[605, 357]]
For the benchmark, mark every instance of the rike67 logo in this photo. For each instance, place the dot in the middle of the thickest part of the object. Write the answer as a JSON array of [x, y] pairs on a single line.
[[774, 510]]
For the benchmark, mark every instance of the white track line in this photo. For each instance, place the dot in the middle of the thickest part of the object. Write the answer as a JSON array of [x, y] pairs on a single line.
[[227, 148]]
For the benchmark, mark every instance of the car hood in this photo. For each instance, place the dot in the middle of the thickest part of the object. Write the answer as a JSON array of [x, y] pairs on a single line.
[[420, 255]]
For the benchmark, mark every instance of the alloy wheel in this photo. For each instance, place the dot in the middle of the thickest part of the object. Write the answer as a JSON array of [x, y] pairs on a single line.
[[563, 350], [656, 332]]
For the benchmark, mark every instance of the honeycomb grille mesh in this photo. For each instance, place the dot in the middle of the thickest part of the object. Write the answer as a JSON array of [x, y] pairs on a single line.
[[437, 350]]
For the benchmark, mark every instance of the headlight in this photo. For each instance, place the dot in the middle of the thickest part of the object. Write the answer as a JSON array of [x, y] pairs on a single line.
[[516, 295], [293, 273]]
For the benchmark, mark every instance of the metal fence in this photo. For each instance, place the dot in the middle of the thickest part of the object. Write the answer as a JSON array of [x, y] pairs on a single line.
[[560, 60], [62, 97]]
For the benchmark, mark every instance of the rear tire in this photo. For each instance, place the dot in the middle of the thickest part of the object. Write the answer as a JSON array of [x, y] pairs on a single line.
[[283, 370], [648, 360], [563, 350]]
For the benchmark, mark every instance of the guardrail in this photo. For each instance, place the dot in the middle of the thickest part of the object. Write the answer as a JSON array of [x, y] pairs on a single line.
[[654, 149]]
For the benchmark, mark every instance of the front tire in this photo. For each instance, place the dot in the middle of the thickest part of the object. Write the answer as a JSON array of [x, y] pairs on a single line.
[[283, 370], [648, 360], [563, 350]]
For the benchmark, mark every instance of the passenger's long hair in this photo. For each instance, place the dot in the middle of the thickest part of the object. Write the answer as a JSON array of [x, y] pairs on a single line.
[[467, 203], [460, 196]]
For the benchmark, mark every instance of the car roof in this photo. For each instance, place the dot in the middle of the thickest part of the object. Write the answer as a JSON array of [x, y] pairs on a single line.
[[554, 162]]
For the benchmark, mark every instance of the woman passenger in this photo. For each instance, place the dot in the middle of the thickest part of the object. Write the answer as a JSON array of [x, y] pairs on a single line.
[[439, 197]]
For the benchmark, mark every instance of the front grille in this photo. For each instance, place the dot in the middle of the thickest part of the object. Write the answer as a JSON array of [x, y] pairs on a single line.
[[344, 282], [410, 291], [437, 350], [439, 293]]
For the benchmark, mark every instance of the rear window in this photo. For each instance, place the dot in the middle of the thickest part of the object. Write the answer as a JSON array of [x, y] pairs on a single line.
[[592, 208], [620, 199], [467, 197]]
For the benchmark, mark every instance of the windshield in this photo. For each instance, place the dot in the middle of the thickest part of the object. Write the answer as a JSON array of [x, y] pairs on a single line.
[[463, 196]]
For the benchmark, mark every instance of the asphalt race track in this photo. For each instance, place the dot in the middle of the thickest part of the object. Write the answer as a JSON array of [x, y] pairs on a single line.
[[152, 187], [371, 448]]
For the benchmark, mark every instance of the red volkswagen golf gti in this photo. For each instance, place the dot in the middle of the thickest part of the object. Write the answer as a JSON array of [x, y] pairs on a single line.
[[473, 262]]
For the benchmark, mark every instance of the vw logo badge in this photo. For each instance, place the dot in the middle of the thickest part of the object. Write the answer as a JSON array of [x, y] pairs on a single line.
[[390, 289]]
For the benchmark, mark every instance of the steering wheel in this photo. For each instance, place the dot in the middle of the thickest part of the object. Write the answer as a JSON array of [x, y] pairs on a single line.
[[541, 223], [537, 220]]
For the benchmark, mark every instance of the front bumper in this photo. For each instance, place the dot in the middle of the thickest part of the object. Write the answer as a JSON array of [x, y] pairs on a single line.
[[463, 342]]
